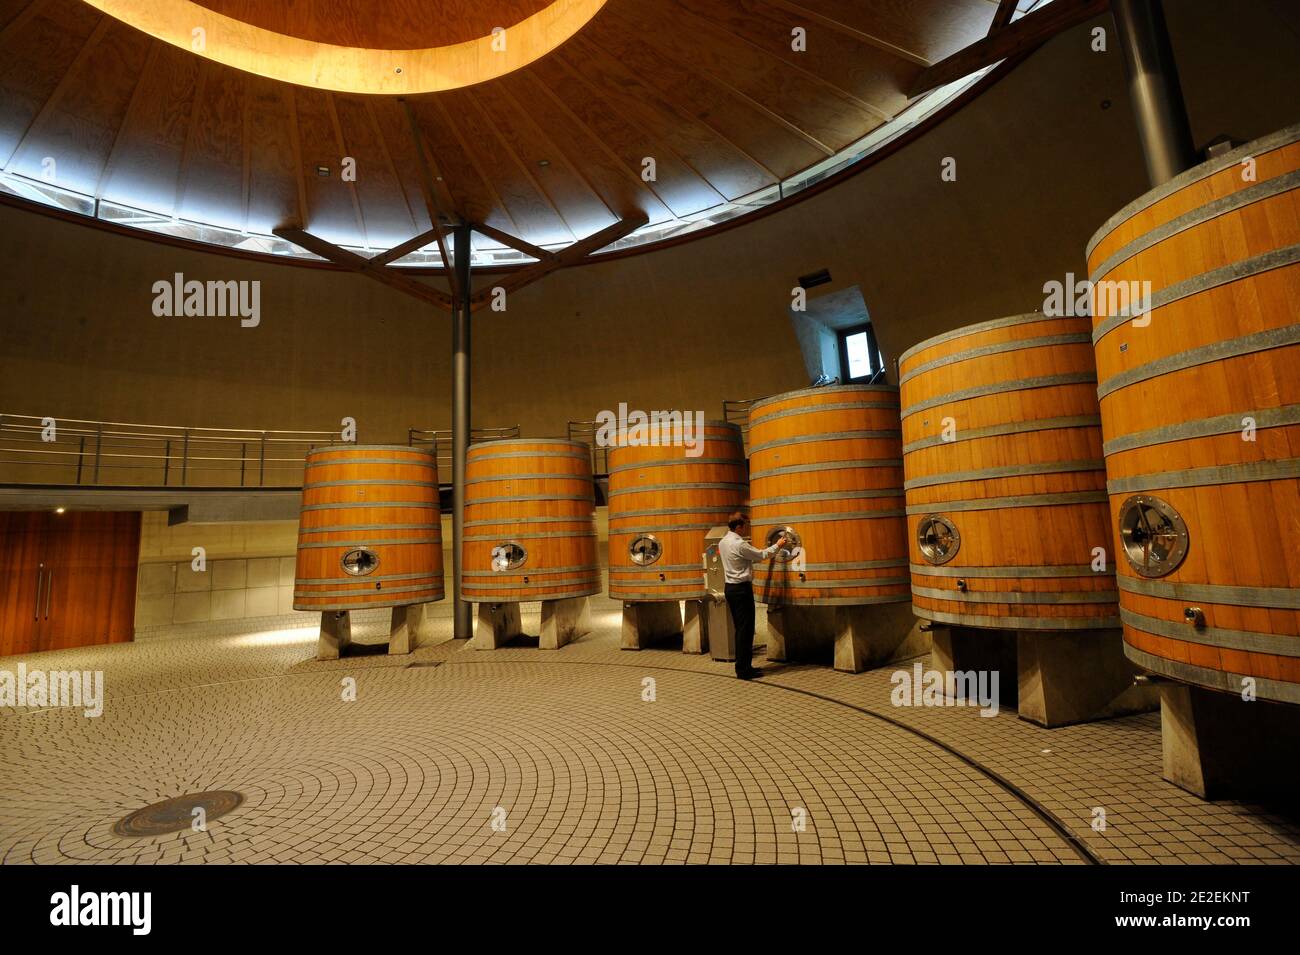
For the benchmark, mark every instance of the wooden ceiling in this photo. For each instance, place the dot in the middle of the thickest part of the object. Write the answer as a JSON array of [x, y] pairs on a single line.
[[380, 24], [711, 89]]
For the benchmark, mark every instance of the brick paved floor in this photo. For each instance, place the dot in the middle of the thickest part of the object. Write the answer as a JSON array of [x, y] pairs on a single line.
[[562, 749]]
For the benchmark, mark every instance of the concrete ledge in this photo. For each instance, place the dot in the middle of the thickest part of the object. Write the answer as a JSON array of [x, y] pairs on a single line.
[[564, 621], [193, 505], [852, 638], [495, 625], [650, 622], [1217, 745], [1061, 677]]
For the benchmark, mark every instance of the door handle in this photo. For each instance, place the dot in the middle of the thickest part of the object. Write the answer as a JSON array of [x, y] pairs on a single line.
[[49, 593], [40, 572]]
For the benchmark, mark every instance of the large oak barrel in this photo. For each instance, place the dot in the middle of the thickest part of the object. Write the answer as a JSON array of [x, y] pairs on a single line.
[[530, 530], [370, 531], [1006, 486], [1200, 408], [662, 502], [825, 464]]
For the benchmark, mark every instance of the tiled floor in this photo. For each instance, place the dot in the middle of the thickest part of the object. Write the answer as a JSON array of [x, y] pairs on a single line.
[[565, 753]]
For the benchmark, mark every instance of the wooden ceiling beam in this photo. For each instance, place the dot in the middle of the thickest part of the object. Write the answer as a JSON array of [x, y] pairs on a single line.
[[508, 147], [51, 101], [572, 255], [356, 263], [1003, 14], [22, 18], [388, 159], [406, 248], [1020, 37], [343, 150], [804, 12], [295, 139], [514, 242], [669, 105], [466, 144], [556, 150], [707, 26], [110, 164], [617, 161], [659, 143], [431, 198], [191, 132]]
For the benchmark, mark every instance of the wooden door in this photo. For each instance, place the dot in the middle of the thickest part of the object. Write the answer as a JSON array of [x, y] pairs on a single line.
[[22, 574], [89, 594]]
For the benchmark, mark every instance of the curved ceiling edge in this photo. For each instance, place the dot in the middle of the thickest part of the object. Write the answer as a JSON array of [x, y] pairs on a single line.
[[290, 59], [964, 98]]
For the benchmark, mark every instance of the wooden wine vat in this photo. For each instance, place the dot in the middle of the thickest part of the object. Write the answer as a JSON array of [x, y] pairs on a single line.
[[529, 522], [826, 463], [826, 471], [1006, 485], [370, 531], [662, 503], [1200, 409]]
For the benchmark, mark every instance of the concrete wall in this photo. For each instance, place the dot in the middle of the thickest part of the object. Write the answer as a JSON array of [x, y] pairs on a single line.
[[817, 345], [1040, 165], [248, 574], [248, 580]]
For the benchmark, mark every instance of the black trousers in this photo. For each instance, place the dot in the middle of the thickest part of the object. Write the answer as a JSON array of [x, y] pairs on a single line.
[[740, 600]]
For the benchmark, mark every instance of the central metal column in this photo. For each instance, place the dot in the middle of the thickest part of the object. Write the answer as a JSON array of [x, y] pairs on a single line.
[[1153, 88], [460, 418]]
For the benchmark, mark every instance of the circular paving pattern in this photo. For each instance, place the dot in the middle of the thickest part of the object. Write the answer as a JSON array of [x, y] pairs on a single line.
[[521, 755], [481, 761]]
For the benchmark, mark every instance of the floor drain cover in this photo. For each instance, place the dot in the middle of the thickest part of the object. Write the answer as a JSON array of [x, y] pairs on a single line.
[[173, 815], [422, 664]]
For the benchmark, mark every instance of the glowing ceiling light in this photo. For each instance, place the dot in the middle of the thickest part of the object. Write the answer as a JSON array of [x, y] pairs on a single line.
[[348, 69]]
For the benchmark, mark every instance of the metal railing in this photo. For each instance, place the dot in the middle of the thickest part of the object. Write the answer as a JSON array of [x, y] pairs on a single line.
[[76, 451], [440, 443], [585, 431]]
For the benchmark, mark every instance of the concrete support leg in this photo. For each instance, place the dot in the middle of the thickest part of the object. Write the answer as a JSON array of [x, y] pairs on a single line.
[[778, 622], [851, 638], [420, 623], [410, 628], [721, 630], [399, 631], [941, 649], [563, 621], [1069, 677], [872, 635], [1218, 745], [695, 630], [495, 625], [650, 622], [977, 650], [335, 634]]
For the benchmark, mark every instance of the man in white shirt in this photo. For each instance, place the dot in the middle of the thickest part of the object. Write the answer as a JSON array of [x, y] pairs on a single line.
[[738, 559]]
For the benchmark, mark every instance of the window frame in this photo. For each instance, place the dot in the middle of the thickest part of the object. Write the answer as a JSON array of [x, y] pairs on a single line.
[[873, 353]]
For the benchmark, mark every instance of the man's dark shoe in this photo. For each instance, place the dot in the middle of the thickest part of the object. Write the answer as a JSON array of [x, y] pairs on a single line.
[[750, 674]]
